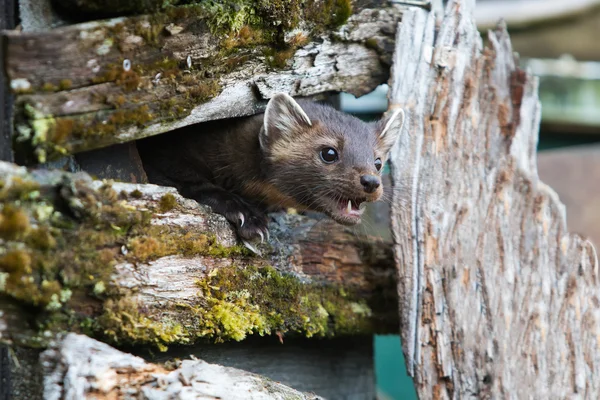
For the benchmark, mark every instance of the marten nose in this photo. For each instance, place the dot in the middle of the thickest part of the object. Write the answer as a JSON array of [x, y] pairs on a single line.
[[370, 183]]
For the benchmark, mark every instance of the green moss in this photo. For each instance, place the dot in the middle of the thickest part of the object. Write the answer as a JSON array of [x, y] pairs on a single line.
[[156, 241], [278, 58], [18, 189], [122, 322], [136, 194], [330, 13], [371, 43], [234, 303], [14, 223], [49, 87], [42, 239], [129, 80], [151, 29], [205, 90], [65, 84], [167, 202], [262, 301]]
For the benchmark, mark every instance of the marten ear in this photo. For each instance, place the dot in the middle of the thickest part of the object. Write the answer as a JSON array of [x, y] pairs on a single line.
[[283, 117], [391, 130]]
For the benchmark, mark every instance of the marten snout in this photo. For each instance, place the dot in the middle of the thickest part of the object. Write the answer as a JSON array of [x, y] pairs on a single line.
[[370, 183]]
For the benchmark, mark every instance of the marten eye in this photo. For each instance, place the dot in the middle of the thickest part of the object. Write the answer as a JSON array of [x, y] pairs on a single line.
[[378, 164], [329, 155]]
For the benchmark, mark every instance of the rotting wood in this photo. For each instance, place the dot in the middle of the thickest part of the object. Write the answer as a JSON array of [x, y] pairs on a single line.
[[91, 85], [497, 298], [96, 370], [140, 264]]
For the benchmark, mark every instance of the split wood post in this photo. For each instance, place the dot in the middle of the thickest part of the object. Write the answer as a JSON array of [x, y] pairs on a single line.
[[497, 298]]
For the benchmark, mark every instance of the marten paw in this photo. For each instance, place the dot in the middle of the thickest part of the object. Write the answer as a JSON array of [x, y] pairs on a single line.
[[250, 223]]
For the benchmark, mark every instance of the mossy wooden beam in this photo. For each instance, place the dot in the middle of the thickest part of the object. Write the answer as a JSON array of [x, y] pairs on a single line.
[[95, 84], [139, 264]]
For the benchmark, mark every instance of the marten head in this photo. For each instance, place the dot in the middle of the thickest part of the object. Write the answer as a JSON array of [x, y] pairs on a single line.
[[326, 160]]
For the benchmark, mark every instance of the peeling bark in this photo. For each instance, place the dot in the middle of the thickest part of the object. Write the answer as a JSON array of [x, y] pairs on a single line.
[[497, 298]]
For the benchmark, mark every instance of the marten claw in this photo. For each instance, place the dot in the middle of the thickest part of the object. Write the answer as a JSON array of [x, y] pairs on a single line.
[[242, 219], [262, 236], [268, 235], [251, 248]]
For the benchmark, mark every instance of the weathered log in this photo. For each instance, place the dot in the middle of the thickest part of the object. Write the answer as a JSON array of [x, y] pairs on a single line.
[[140, 264], [78, 367], [497, 298], [91, 85]]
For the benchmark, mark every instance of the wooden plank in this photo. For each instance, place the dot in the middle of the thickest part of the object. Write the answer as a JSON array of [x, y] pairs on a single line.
[[95, 84], [139, 264], [497, 298]]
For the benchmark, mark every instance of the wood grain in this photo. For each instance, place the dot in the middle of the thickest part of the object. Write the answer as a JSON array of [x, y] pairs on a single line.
[[325, 261], [74, 93], [497, 298]]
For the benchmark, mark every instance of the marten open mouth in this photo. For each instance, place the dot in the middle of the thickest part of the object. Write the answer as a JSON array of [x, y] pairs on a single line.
[[347, 211]]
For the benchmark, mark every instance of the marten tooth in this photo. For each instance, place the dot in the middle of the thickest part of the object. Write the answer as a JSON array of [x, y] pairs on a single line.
[[362, 205], [349, 205]]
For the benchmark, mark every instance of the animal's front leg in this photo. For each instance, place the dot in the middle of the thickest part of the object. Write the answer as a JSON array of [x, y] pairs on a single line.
[[250, 220]]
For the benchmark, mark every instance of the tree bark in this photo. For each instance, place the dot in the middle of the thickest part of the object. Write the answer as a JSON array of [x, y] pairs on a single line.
[[91, 85], [139, 264], [497, 298], [78, 367]]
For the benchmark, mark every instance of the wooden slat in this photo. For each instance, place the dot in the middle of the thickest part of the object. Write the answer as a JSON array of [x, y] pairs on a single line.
[[74, 94]]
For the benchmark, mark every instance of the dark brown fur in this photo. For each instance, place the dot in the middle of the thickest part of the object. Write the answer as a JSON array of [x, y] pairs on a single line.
[[237, 168]]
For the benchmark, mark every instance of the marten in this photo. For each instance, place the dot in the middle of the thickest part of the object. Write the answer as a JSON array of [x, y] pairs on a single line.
[[297, 154]]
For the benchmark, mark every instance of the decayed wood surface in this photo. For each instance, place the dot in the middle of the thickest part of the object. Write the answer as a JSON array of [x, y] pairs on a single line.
[[165, 288], [78, 367], [74, 95], [497, 298]]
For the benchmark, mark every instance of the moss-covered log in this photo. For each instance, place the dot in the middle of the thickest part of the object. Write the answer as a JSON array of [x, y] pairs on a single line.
[[140, 264], [94, 84]]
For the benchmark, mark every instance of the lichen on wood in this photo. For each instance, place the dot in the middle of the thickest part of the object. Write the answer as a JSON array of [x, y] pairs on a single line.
[[107, 82], [139, 264]]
